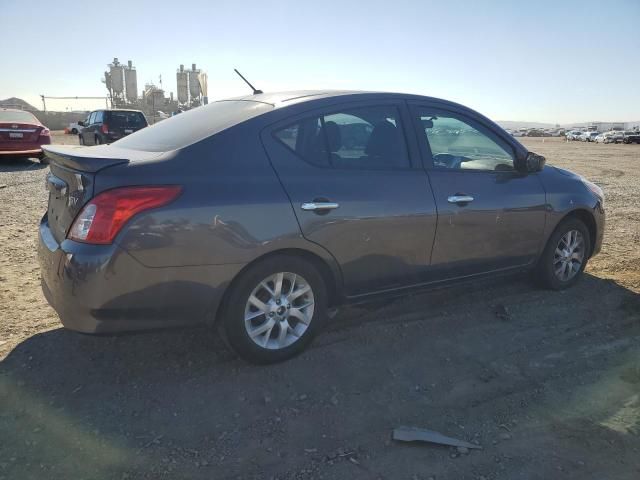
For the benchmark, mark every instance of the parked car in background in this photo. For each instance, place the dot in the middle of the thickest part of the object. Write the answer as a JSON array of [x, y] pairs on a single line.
[[574, 135], [22, 134], [107, 126], [259, 213], [616, 136], [631, 137], [589, 136], [74, 128]]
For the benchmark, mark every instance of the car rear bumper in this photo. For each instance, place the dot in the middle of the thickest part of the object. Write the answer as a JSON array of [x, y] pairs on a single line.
[[102, 289], [22, 152]]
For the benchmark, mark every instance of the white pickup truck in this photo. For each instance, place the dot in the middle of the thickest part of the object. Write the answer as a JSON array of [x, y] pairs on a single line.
[[74, 128]]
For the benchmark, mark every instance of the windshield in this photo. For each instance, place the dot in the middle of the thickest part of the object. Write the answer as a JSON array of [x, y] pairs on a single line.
[[17, 116], [192, 126]]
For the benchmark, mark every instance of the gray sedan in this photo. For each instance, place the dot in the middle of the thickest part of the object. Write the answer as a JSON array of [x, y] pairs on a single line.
[[260, 213]]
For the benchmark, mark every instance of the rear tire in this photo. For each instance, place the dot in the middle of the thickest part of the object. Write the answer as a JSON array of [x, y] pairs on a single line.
[[74, 131], [560, 266], [262, 331], [97, 141]]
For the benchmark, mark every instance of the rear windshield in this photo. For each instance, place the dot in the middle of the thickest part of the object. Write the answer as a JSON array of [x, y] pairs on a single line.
[[127, 119], [192, 126], [17, 116]]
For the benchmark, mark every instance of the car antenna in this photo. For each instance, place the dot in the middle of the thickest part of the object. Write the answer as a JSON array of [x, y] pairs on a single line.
[[255, 90]]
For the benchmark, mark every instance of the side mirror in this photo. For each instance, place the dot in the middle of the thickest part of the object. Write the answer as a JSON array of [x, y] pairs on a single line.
[[531, 163], [81, 124]]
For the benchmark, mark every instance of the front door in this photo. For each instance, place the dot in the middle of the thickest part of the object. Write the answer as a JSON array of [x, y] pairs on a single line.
[[490, 216], [356, 191]]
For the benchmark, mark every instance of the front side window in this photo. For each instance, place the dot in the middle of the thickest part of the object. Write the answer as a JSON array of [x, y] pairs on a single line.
[[99, 117], [92, 118], [455, 144], [360, 138]]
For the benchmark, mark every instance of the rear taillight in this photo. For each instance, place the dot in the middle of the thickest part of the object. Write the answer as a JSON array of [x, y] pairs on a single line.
[[104, 128], [103, 217], [45, 132]]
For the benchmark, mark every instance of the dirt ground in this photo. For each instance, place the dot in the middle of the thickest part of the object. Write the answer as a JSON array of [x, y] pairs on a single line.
[[550, 388]]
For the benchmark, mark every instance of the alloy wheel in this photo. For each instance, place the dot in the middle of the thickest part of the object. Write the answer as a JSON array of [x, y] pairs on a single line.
[[569, 255], [279, 310]]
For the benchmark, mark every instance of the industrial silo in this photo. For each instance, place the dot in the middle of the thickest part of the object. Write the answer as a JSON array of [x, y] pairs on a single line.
[[183, 85], [117, 77], [194, 83], [131, 82]]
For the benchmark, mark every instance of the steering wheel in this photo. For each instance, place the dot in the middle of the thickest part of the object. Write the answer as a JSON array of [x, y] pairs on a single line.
[[447, 160]]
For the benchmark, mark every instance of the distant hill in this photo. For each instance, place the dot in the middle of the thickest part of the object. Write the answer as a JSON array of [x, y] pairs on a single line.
[[14, 102]]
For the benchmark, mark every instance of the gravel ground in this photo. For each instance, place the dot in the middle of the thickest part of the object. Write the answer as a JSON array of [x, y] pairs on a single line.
[[547, 382]]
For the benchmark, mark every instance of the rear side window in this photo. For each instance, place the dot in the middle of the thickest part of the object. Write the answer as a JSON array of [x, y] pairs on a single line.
[[127, 119], [360, 138]]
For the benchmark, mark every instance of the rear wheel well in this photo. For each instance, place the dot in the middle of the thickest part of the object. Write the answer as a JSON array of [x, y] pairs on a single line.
[[587, 218], [321, 265]]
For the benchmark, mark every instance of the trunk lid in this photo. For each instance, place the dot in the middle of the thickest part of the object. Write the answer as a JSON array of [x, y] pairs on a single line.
[[70, 181], [16, 132]]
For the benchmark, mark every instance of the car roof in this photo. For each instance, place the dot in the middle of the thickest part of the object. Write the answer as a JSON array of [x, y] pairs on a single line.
[[116, 110], [290, 97]]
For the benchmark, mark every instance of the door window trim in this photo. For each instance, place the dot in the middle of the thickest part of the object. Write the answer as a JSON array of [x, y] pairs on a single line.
[[401, 110], [425, 148]]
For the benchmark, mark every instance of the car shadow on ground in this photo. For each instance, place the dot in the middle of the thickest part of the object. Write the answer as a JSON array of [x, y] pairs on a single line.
[[176, 402], [17, 164]]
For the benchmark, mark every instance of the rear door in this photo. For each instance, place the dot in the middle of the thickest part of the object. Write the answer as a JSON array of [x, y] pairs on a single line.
[[357, 189], [88, 135], [490, 216]]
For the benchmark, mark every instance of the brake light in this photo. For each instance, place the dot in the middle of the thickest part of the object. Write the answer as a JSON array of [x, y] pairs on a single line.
[[45, 132], [103, 217], [104, 128]]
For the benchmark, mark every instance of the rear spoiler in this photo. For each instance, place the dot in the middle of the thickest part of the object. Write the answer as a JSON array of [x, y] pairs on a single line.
[[83, 158]]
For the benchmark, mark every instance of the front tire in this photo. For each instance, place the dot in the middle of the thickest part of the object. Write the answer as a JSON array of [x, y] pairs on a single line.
[[80, 139], [274, 309], [565, 256]]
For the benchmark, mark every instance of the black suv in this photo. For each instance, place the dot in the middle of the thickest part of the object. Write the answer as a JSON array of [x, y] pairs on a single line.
[[631, 137], [106, 126]]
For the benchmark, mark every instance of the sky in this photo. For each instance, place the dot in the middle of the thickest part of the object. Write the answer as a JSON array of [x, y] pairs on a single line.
[[547, 61]]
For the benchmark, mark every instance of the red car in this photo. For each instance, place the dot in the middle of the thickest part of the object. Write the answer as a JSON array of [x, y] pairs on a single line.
[[22, 134]]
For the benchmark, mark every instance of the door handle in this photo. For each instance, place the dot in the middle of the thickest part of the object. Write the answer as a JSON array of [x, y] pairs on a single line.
[[312, 206], [460, 199]]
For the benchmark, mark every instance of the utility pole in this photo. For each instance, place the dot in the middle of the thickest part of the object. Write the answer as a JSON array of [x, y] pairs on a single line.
[[44, 105]]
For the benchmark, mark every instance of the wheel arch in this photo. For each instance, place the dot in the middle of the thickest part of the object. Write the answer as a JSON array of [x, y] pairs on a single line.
[[586, 217], [331, 276]]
